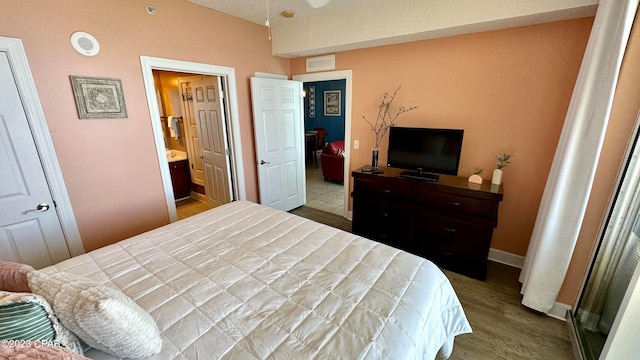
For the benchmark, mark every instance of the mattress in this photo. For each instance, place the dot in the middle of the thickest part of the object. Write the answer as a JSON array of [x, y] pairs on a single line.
[[244, 281]]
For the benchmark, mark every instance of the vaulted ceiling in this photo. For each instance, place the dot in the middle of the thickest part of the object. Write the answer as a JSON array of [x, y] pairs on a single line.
[[351, 24]]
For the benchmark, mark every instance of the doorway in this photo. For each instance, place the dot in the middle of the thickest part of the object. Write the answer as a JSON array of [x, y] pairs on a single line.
[[195, 136], [233, 149], [324, 138], [345, 75]]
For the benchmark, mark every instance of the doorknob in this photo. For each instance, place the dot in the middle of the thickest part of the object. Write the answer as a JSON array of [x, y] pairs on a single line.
[[262, 162], [42, 207], [201, 156]]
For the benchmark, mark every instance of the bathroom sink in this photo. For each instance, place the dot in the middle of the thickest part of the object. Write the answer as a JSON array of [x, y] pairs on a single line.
[[176, 155]]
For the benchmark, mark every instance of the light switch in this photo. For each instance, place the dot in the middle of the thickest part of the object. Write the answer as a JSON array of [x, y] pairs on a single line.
[[356, 144]]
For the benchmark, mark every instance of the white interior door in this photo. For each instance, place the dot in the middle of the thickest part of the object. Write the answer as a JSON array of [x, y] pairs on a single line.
[[279, 135], [209, 114], [30, 228]]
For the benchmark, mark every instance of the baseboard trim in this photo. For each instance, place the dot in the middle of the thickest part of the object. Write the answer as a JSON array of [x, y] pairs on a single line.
[[198, 196], [559, 311], [506, 258]]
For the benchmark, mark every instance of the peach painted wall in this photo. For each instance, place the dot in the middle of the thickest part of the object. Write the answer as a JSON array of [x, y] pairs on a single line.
[[110, 167], [509, 90]]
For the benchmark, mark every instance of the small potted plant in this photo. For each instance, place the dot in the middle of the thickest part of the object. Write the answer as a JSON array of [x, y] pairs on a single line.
[[503, 161], [476, 178]]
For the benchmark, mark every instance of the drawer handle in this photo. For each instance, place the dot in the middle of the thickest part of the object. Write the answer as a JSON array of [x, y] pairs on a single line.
[[449, 230], [445, 253], [453, 203], [383, 214], [386, 191]]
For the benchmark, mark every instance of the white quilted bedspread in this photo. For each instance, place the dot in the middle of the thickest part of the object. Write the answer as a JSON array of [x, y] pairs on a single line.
[[245, 281]]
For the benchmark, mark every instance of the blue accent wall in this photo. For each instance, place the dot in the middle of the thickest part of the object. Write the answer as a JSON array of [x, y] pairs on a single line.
[[333, 124]]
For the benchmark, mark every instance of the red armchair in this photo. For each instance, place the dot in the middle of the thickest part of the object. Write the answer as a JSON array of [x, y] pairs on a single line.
[[332, 160]]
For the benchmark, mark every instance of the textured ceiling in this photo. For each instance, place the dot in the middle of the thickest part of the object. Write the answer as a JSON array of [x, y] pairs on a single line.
[[351, 24], [256, 10]]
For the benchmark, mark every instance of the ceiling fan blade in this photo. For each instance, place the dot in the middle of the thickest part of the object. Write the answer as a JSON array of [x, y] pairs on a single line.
[[317, 3]]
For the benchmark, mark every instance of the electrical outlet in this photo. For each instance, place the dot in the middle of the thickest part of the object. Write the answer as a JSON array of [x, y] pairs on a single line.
[[356, 144]]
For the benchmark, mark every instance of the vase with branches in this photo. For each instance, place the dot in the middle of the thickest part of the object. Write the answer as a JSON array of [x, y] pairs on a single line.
[[385, 119]]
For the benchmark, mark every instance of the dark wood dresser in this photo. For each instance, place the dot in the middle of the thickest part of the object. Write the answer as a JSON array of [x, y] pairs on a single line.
[[450, 221]]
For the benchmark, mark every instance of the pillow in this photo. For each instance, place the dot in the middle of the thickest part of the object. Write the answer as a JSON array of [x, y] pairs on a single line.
[[23, 317], [13, 276], [41, 352], [103, 317], [29, 318]]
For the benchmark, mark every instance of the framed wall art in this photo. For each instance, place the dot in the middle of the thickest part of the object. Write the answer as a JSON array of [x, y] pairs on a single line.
[[312, 101], [332, 103], [98, 98]]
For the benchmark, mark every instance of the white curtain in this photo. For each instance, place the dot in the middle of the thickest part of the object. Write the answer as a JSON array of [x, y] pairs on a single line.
[[571, 177]]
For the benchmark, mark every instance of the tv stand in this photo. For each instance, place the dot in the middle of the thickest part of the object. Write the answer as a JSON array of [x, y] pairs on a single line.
[[449, 222], [420, 175]]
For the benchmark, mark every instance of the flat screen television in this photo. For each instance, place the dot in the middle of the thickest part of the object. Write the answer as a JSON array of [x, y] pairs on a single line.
[[425, 150]]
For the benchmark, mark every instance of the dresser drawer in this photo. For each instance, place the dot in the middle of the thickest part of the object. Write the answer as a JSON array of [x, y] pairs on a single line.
[[452, 230], [457, 203], [381, 189], [384, 234], [458, 257], [381, 221]]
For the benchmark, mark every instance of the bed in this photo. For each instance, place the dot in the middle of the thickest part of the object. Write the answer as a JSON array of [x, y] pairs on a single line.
[[244, 281]]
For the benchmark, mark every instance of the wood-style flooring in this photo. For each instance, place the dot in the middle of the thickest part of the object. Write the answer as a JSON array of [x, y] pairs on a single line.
[[323, 217], [503, 329]]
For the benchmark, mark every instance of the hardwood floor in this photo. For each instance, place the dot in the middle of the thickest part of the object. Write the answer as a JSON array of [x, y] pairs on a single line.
[[503, 329], [323, 217]]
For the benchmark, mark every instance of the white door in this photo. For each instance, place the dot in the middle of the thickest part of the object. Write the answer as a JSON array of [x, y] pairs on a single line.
[[279, 135], [209, 114], [30, 230]]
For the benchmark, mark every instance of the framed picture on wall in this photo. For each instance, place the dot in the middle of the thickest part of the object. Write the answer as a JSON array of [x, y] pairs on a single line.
[[332, 106], [312, 101], [98, 98]]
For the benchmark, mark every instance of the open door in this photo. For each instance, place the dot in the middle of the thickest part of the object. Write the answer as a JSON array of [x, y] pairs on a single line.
[[279, 136], [209, 114]]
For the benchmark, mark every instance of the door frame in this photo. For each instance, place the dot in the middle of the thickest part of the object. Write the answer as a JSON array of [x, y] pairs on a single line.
[[237, 188], [42, 138], [347, 76]]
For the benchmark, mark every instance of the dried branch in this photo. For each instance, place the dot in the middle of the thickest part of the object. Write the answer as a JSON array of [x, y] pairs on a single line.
[[385, 118]]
